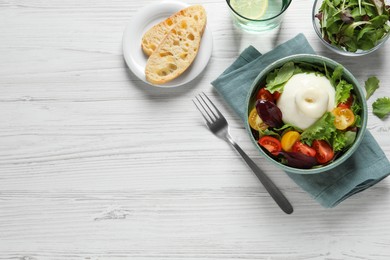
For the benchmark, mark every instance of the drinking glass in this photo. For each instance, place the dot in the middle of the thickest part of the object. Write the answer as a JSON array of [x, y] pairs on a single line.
[[255, 17]]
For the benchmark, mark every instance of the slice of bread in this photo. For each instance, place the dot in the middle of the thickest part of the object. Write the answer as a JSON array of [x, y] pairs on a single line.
[[175, 53], [153, 37]]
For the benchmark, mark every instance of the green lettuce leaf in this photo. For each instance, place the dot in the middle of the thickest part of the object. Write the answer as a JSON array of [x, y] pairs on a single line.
[[342, 140], [338, 140], [269, 132], [381, 107], [323, 129], [343, 91]]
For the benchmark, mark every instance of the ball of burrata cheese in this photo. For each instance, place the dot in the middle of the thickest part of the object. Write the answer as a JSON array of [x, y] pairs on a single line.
[[306, 97]]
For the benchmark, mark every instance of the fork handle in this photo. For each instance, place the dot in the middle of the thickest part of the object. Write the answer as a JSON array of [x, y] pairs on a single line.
[[275, 193]]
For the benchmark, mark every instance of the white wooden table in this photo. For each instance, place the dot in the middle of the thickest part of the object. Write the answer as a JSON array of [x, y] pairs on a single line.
[[95, 164]]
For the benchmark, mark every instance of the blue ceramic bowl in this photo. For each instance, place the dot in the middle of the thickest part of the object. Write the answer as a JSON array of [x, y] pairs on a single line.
[[315, 60]]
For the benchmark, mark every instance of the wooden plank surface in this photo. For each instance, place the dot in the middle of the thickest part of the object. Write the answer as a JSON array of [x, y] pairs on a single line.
[[95, 164]]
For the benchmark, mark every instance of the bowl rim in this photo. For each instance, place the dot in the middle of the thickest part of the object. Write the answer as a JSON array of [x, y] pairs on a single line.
[[346, 74], [341, 50], [259, 20]]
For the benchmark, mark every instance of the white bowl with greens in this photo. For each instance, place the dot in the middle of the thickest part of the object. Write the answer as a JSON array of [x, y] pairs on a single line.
[[351, 27], [306, 113]]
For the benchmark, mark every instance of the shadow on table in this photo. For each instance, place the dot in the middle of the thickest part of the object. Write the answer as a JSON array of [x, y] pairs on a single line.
[[361, 65], [166, 92], [262, 41]]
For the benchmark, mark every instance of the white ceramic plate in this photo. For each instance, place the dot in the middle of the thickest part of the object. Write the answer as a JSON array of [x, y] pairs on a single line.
[[145, 19]]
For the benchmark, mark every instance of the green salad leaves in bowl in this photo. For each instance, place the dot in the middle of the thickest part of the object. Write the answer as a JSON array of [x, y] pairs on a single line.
[[351, 27], [306, 113]]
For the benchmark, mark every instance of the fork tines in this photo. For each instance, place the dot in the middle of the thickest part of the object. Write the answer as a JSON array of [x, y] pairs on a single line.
[[206, 107]]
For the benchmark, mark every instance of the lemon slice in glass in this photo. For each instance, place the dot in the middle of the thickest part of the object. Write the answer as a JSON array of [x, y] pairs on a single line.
[[252, 9]]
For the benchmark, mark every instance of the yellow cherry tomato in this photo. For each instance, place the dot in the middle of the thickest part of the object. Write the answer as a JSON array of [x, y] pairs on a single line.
[[289, 139], [255, 121], [344, 117]]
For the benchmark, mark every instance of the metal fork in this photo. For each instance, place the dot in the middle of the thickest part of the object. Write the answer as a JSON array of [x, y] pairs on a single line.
[[218, 125]]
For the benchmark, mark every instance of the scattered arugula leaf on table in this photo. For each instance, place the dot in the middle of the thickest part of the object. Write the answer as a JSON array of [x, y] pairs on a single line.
[[371, 84], [381, 107]]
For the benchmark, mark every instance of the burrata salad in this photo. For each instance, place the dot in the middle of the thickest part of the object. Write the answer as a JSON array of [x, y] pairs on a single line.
[[305, 115]]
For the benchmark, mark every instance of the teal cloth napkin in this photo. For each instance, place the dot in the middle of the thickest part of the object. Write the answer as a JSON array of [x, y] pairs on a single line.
[[366, 167]]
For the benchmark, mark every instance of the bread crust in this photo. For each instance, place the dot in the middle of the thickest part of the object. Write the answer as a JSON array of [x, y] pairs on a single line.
[[175, 53], [153, 37]]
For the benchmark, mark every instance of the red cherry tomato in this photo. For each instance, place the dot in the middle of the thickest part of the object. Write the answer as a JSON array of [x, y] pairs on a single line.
[[348, 103], [300, 147], [324, 153], [270, 143], [343, 105], [264, 94], [276, 95]]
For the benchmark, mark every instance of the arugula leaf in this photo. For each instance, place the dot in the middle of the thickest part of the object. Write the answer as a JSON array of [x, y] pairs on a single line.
[[323, 129], [371, 84], [349, 30], [379, 21], [337, 74], [350, 137], [379, 5], [269, 132], [381, 107], [275, 81], [360, 6], [309, 68], [366, 32], [288, 127], [370, 10]]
